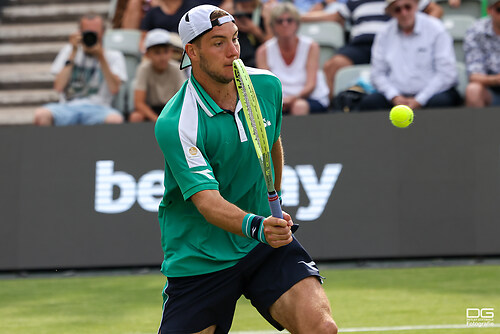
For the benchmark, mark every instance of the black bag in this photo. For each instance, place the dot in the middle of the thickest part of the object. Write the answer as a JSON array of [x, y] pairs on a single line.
[[348, 100]]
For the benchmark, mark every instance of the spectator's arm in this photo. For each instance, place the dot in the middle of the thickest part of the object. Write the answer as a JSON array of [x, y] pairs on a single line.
[[380, 69], [485, 79], [322, 16], [433, 9], [142, 107], [261, 58], [311, 71], [63, 76], [113, 81], [142, 48], [445, 68]]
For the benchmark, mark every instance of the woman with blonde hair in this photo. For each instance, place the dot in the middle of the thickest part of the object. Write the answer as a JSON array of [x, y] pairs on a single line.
[[294, 59]]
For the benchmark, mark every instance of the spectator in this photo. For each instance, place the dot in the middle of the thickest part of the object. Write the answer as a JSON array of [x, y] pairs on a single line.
[[157, 79], [253, 30], [482, 49], [366, 18], [413, 61], [295, 61], [166, 15], [87, 77], [129, 13]]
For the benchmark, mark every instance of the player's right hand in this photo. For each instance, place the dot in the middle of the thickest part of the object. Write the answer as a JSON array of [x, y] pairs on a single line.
[[278, 231]]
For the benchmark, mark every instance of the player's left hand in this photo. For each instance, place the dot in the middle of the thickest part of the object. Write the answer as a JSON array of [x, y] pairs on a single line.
[[278, 231]]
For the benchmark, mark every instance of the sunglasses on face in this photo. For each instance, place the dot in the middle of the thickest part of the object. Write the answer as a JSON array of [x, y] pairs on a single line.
[[399, 9], [288, 20], [497, 9]]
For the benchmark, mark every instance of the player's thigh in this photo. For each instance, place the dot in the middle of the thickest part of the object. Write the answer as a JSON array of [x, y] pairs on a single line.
[[304, 307], [209, 330]]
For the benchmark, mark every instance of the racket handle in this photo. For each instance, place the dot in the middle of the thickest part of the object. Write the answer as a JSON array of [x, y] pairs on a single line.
[[274, 203]]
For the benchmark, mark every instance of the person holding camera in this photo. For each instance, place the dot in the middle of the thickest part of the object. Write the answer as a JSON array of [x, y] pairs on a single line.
[[87, 78]]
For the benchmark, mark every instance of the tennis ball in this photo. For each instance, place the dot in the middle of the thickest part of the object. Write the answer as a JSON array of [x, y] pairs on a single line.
[[401, 116]]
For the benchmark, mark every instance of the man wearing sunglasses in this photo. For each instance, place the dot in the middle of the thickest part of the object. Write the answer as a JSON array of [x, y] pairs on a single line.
[[413, 61], [482, 49]]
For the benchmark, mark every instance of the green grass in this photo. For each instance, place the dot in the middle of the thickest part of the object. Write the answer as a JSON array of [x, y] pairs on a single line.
[[359, 298]]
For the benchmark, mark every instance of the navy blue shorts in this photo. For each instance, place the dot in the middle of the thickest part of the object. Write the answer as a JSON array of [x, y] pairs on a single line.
[[197, 302], [358, 52]]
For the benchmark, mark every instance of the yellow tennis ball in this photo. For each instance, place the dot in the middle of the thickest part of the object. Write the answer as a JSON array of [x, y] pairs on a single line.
[[401, 116]]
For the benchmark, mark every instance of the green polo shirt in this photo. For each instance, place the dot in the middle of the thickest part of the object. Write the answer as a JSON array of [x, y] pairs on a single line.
[[206, 147]]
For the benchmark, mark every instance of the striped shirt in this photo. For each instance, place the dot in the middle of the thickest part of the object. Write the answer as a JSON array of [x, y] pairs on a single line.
[[368, 17]]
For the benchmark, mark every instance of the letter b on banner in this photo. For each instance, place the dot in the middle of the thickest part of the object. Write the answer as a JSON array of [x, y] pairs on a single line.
[[148, 191]]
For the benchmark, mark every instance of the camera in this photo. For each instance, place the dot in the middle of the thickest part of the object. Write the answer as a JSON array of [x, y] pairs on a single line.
[[89, 38]]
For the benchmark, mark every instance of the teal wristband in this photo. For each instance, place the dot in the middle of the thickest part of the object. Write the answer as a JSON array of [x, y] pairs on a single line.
[[253, 227]]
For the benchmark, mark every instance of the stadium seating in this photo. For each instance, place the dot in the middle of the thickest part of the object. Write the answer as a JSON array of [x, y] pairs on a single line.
[[347, 77], [467, 7], [457, 25], [126, 41], [329, 36]]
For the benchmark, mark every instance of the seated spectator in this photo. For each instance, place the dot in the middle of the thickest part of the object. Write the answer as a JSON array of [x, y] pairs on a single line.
[[366, 18], [157, 79], [413, 61], [252, 29], [87, 77], [294, 60], [129, 13], [166, 15], [482, 59]]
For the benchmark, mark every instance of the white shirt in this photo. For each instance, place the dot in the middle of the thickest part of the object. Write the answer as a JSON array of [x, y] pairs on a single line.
[[420, 64], [293, 77], [87, 83]]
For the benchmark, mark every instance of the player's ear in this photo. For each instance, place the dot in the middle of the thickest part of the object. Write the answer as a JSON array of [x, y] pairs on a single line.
[[191, 51]]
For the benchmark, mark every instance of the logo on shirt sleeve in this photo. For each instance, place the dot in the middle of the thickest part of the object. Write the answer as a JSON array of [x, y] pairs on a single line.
[[205, 172]]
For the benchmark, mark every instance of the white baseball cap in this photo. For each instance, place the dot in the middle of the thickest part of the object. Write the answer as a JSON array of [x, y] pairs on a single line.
[[156, 37], [196, 22]]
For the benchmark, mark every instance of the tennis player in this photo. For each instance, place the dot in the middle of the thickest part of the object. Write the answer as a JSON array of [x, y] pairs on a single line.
[[217, 243]]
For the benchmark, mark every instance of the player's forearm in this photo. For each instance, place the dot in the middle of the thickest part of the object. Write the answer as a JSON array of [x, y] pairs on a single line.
[[219, 212]]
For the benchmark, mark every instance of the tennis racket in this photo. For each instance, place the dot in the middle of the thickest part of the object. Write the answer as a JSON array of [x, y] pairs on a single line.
[[257, 130]]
